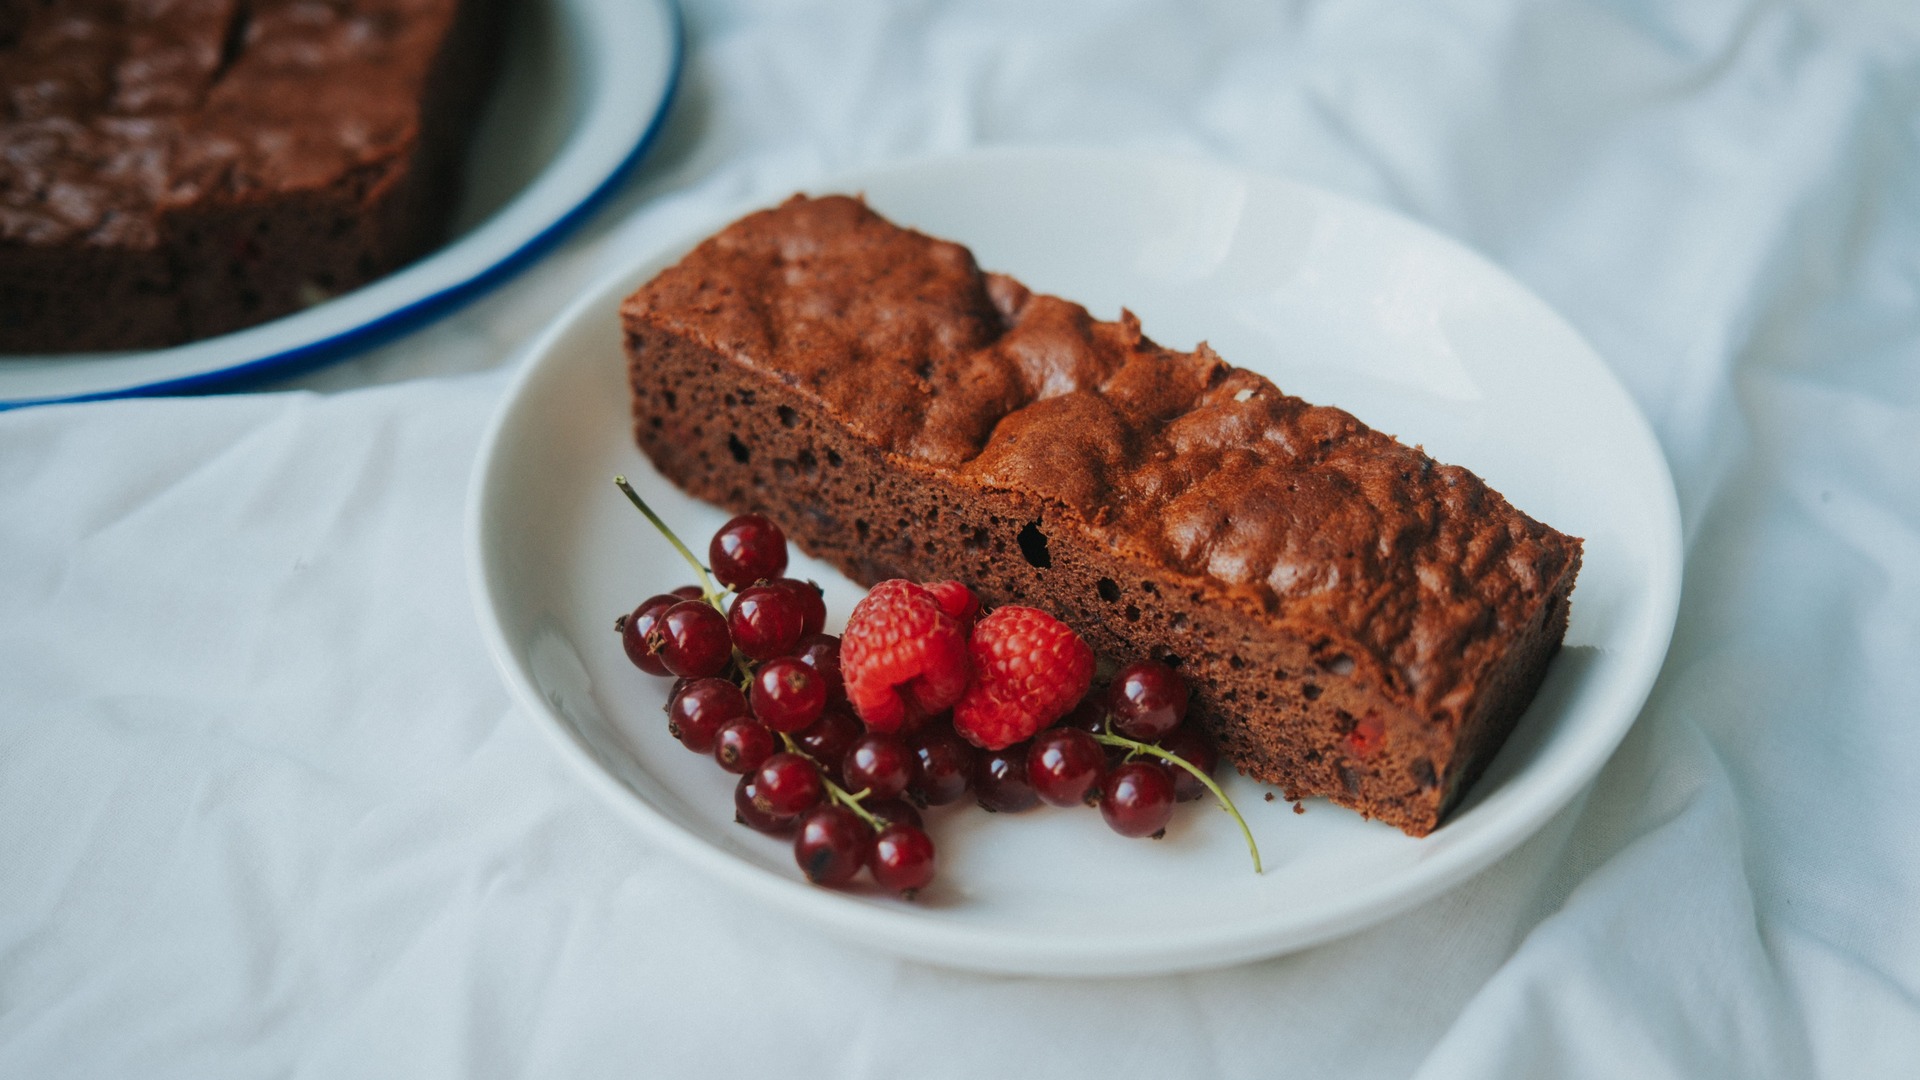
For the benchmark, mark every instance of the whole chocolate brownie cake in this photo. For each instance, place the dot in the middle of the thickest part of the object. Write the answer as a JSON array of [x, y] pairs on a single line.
[[1358, 621], [175, 169]]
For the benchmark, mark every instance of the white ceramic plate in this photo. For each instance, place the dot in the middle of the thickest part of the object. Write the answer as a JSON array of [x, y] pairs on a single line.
[[1335, 300], [584, 86]]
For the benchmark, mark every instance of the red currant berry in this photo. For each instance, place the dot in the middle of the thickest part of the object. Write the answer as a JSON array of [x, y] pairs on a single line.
[[1147, 700], [1064, 765], [1089, 716], [894, 812], [1137, 799], [747, 549], [748, 814], [697, 711], [1187, 743], [831, 845], [786, 785], [902, 859], [689, 592], [821, 652], [635, 628], [741, 746], [813, 606], [788, 695], [826, 740], [944, 767], [691, 639], [765, 621], [879, 764], [1000, 780]]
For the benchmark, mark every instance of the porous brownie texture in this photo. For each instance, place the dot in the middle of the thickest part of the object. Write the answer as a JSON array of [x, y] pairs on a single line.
[[1358, 621], [174, 170]]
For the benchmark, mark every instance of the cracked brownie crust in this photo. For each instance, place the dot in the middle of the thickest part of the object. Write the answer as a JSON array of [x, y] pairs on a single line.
[[1358, 620]]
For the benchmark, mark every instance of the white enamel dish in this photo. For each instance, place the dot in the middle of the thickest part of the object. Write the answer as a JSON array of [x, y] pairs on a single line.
[[583, 89], [1337, 301]]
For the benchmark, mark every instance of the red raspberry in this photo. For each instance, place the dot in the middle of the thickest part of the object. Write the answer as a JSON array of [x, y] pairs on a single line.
[[1030, 669], [956, 600], [901, 649]]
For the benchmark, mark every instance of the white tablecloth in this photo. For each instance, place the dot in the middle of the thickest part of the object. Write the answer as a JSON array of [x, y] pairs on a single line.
[[265, 808]]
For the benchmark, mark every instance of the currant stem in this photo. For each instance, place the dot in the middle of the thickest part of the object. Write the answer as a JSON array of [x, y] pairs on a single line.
[[852, 802], [835, 791], [1137, 747], [706, 583]]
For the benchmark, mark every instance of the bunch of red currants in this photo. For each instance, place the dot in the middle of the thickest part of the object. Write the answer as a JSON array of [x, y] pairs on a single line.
[[759, 686]]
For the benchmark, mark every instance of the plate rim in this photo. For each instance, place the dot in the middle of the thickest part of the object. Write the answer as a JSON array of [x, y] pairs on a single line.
[[439, 299], [867, 922]]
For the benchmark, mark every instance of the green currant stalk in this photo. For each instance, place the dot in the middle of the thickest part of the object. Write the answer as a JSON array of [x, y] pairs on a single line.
[[707, 588], [850, 800], [1134, 746]]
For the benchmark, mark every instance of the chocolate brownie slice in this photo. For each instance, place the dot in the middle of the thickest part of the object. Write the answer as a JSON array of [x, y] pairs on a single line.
[[1358, 621], [172, 171]]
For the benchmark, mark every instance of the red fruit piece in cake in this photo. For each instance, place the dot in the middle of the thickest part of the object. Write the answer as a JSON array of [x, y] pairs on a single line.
[[1029, 669], [901, 648], [1366, 736]]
